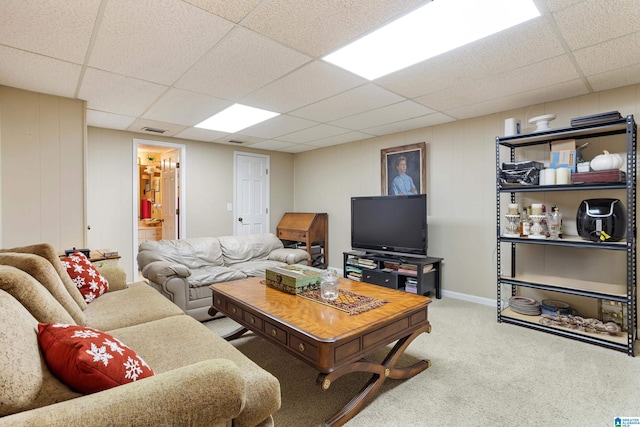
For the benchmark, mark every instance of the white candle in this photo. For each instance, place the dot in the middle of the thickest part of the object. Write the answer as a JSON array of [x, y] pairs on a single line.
[[549, 176], [536, 208], [513, 208], [563, 176]]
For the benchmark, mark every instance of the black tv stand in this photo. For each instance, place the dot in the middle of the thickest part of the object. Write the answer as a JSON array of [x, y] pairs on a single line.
[[415, 275]]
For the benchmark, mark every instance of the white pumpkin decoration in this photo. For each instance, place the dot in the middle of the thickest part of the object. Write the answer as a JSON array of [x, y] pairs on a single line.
[[606, 161]]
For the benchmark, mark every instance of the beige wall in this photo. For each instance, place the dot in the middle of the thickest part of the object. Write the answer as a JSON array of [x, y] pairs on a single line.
[[209, 187], [460, 184], [42, 148], [42, 157]]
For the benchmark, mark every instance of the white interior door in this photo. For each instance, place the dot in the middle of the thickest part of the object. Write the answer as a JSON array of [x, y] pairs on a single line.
[[251, 194], [169, 164]]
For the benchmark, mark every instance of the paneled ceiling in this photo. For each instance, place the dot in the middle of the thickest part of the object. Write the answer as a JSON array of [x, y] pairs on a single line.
[[169, 64]]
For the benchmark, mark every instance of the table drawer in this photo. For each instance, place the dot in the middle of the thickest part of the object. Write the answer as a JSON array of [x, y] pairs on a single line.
[[388, 280], [234, 311], [275, 332], [255, 322], [304, 347]]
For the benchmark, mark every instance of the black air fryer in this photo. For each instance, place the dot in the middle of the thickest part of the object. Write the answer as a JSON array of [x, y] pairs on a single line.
[[601, 220]]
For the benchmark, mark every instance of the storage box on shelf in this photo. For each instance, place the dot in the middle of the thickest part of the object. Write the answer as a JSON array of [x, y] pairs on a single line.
[[415, 275], [587, 273]]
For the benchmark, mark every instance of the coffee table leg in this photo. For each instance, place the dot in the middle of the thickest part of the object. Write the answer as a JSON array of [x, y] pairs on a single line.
[[235, 334], [380, 371]]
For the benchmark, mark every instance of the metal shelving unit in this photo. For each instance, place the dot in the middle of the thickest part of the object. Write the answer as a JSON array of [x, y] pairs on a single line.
[[627, 294]]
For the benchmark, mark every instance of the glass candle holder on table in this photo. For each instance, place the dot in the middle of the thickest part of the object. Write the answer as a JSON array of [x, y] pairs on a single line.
[[329, 285]]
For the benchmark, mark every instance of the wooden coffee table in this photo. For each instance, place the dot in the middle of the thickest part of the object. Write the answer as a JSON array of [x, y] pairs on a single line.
[[328, 339]]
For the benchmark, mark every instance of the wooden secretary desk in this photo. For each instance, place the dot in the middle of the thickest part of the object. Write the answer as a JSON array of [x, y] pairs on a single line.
[[308, 231]]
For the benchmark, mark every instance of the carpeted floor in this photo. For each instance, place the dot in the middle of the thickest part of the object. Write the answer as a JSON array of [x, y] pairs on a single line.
[[483, 374]]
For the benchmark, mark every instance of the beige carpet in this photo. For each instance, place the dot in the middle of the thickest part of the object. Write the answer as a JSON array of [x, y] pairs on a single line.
[[483, 374]]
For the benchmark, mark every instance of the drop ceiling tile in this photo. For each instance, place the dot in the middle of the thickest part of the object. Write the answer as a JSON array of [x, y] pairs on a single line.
[[100, 119], [241, 63], [113, 93], [341, 139], [57, 29], [278, 126], [610, 55], [555, 70], [311, 83], [318, 27], [185, 108], [37, 73], [172, 129], [616, 78], [414, 123], [534, 96], [272, 145], [312, 134], [519, 46], [298, 148], [594, 21], [554, 5], [234, 10], [199, 134], [354, 101], [155, 40], [388, 114]]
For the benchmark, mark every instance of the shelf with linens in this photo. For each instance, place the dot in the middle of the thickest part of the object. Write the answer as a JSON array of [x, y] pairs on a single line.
[[591, 275]]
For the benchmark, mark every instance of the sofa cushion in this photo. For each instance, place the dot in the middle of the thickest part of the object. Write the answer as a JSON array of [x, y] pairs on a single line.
[[194, 252], [86, 277], [47, 252], [88, 360], [139, 303], [262, 390], [237, 249], [256, 268], [208, 275], [32, 295], [44, 272], [26, 382]]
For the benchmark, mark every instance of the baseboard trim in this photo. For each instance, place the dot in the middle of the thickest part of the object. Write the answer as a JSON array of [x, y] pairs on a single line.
[[471, 298]]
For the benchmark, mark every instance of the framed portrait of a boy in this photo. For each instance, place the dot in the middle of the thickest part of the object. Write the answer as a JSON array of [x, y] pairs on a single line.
[[404, 170]]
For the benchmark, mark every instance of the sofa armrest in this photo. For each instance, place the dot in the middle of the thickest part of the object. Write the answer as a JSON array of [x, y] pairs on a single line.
[[116, 277], [210, 392], [288, 255], [161, 271]]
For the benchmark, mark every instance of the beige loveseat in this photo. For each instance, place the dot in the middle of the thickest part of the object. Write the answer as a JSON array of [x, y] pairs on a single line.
[[200, 379], [182, 270]]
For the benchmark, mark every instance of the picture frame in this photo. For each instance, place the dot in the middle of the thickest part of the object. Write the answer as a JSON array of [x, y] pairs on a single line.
[[415, 158]]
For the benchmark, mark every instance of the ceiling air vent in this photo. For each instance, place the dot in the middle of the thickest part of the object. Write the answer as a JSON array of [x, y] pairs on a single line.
[[154, 130], [235, 141]]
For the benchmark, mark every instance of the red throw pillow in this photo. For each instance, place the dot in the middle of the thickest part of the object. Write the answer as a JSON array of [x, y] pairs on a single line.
[[89, 280], [88, 360]]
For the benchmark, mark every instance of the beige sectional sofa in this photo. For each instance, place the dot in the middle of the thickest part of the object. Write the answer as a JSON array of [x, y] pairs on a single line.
[[182, 270], [200, 379]]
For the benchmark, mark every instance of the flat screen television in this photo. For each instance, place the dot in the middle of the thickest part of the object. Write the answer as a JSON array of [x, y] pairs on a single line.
[[391, 225]]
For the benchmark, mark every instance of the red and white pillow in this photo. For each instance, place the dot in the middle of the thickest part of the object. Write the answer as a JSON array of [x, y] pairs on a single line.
[[88, 360], [88, 280]]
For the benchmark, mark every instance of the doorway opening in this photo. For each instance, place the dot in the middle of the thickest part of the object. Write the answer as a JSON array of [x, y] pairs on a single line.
[[158, 192]]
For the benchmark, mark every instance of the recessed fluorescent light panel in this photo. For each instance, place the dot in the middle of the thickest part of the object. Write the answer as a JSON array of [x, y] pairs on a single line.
[[435, 28], [236, 118]]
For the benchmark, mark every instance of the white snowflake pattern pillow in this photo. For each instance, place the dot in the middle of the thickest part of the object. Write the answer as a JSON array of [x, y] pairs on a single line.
[[88, 280], [88, 360]]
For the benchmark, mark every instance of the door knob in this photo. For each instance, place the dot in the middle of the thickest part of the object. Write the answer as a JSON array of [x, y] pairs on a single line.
[[240, 219]]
